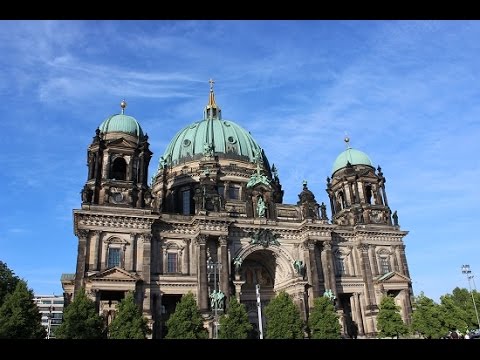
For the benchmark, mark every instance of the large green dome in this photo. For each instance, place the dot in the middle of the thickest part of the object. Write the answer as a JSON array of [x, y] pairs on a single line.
[[227, 138], [352, 156], [212, 135]]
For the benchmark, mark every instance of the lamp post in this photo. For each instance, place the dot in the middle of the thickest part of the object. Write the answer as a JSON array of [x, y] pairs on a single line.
[[213, 266], [466, 270], [259, 311]]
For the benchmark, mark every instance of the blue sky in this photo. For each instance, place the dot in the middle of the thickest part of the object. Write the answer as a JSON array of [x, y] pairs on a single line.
[[406, 92]]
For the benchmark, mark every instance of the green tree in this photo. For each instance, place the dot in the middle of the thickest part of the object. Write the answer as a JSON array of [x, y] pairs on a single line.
[[389, 320], [81, 320], [234, 324], [452, 315], [20, 317], [463, 298], [426, 318], [8, 281], [283, 318], [323, 321], [129, 322], [186, 322]]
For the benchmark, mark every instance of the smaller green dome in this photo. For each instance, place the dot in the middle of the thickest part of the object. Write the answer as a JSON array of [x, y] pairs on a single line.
[[121, 123], [352, 156]]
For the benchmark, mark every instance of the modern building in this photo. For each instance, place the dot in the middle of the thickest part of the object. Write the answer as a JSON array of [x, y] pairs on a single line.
[[213, 221], [51, 308]]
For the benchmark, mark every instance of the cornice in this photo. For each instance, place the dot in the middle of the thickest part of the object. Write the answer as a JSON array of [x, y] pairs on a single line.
[[106, 222]]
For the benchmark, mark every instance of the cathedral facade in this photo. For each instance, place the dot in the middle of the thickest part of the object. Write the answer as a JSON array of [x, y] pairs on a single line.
[[212, 222]]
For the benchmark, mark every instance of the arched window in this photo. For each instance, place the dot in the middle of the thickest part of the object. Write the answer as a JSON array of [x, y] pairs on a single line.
[[368, 193], [114, 256], [172, 262], [234, 192], [114, 252], [385, 264], [172, 256], [340, 265], [341, 200], [119, 169], [186, 202]]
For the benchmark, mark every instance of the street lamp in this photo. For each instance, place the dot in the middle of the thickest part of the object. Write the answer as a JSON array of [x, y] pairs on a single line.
[[213, 266], [259, 311], [466, 270]]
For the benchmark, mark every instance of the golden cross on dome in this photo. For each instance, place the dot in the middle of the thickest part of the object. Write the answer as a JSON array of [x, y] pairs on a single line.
[[211, 81]]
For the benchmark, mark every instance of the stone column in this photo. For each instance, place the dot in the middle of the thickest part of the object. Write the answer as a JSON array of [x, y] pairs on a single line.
[[156, 253], [129, 254], [373, 260], [367, 274], [104, 256], [325, 270], [332, 206], [164, 259], [202, 273], [105, 165], [312, 270], [147, 241], [403, 260], [397, 259], [224, 270], [385, 201], [96, 238], [186, 256], [81, 258], [238, 288], [327, 245], [358, 314], [356, 262], [348, 194], [357, 196], [129, 175]]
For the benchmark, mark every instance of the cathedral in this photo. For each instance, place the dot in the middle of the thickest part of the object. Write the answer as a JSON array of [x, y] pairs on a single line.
[[212, 221]]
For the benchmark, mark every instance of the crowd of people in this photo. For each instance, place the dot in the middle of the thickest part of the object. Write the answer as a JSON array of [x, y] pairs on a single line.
[[471, 334]]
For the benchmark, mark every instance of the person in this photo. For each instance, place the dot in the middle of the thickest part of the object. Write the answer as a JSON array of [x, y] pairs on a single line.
[[261, 207]]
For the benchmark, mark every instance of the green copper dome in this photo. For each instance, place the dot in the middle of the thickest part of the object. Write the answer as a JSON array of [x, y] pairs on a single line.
[[121, 123], [224, 136], [352, 156], [211, 136]]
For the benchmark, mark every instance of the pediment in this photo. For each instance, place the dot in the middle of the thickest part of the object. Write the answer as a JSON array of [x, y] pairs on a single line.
[[121, 142], [392, 277], [114, 274]]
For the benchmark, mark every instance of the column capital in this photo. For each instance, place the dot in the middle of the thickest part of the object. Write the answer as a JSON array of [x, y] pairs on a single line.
[[327, 245], [223, 240], [363, 247], [309, 244], [146, 237], [201, 239], [83, 234]]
